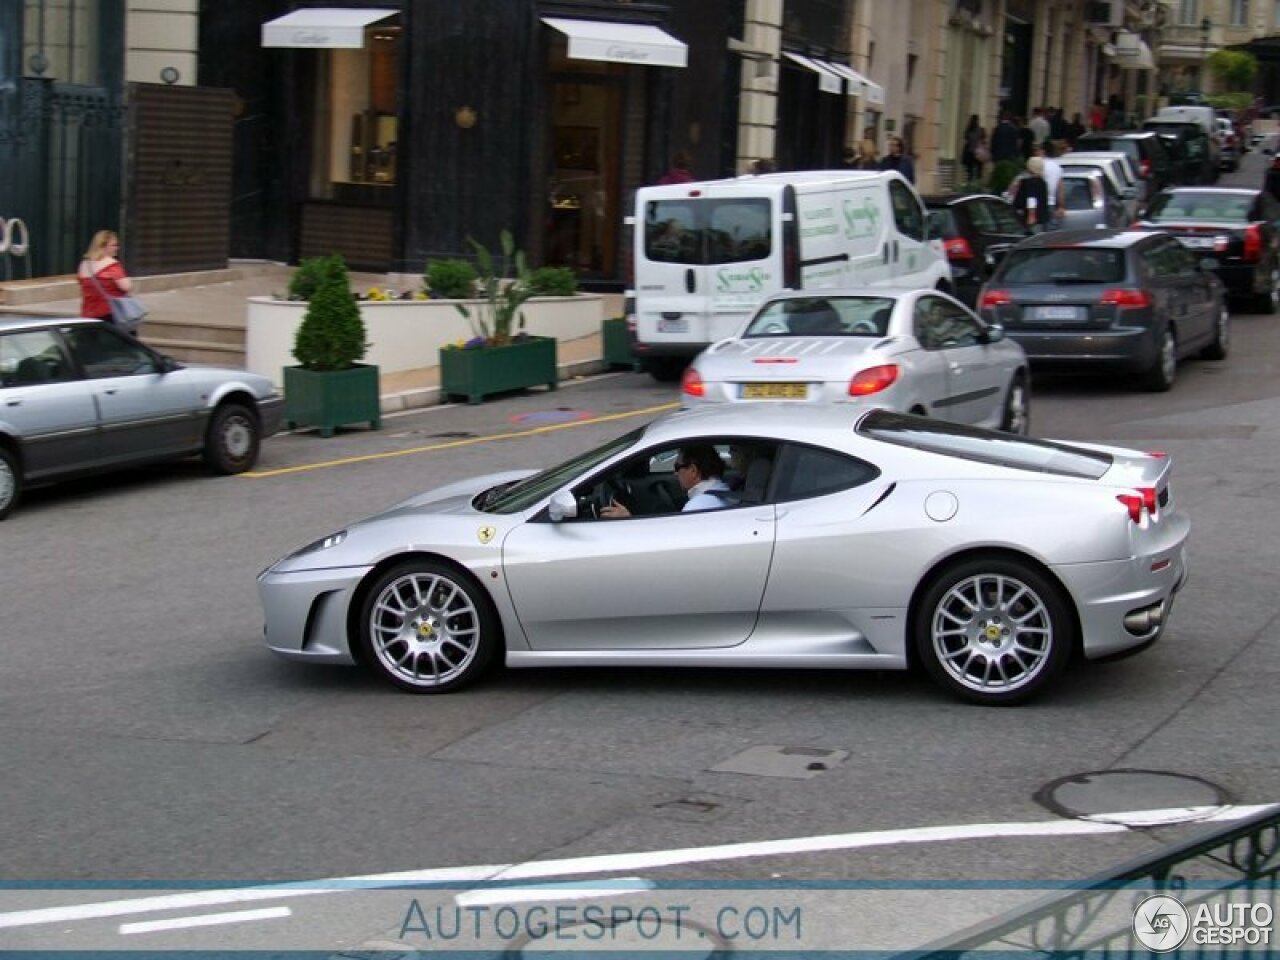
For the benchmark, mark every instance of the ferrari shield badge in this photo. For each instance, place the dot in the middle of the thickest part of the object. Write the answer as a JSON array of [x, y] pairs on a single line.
[[485, 534]]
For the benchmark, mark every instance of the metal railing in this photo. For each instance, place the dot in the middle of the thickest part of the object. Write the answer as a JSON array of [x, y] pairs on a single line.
[[1096, 919]]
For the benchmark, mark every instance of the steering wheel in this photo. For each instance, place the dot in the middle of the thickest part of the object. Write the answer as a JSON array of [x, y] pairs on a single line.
[[774, 326], [864, 326]]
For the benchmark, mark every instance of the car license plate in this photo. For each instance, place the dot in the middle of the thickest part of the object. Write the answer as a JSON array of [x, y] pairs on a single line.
[[1056, 313], [1197, 243], [775, 391], [673, 324]]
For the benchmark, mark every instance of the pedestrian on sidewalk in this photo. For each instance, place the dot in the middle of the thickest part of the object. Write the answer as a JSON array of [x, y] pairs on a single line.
[[679, 171], [102, 275], [898, 159]]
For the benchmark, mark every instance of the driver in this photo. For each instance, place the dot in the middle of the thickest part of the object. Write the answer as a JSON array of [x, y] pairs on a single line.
[[700, 472]]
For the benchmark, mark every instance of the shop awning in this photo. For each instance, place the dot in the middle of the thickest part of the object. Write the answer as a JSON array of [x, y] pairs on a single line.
[[828, 80], [858, 85], [620, 42], [322, 27], [1132, 52]]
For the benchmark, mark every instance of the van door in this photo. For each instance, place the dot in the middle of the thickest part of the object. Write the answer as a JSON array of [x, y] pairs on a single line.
[[844, 234], [911, 255], [702, 265]]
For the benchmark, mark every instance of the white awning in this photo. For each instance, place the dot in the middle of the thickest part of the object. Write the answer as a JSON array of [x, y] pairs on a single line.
[[1132, 52], [322, 27], [859, 86], [828, 80], [620, 42]]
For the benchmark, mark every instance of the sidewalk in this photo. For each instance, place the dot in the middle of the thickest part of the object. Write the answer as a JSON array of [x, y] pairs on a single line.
[[218, 298]]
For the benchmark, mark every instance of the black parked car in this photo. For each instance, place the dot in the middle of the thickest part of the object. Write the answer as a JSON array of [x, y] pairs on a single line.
[[1195, 154], [1237, 227], [1109, 299], [1145, 148], [976, 230]]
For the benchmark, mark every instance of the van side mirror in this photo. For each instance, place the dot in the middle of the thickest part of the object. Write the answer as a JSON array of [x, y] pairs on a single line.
[[563, 506]]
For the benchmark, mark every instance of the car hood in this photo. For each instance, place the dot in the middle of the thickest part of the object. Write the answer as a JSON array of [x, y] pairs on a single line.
[[789, 358], [451, 497]]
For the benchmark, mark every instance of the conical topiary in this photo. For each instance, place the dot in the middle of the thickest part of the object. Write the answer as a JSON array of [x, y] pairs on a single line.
[[331, 335]]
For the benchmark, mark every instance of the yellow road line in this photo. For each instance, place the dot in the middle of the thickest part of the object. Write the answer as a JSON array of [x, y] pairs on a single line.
[[466, 442]]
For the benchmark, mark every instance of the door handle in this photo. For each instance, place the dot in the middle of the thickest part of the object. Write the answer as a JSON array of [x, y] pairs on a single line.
[[111, 392], [15, 402], [690, 281]]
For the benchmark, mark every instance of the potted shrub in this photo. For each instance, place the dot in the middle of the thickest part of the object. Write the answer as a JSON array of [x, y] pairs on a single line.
[[329, 387], [500, 355]]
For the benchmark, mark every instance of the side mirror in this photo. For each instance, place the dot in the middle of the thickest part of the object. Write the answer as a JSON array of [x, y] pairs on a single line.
[[994, 333], [563, 506]]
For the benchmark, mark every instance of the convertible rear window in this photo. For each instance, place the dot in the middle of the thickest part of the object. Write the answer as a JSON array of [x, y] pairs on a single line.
[[984, 446]]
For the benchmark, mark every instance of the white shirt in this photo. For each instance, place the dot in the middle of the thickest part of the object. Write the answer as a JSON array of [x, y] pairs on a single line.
[[1040, 127], [701, 499], [1052, 177]]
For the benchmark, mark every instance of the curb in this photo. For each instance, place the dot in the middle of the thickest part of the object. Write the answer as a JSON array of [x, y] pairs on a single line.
[[430, 396]]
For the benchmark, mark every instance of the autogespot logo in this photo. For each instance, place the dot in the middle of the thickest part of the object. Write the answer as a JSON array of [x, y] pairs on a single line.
[[1161, 923]]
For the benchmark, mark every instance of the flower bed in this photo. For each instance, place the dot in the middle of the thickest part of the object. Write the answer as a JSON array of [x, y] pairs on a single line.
[[406, 334]]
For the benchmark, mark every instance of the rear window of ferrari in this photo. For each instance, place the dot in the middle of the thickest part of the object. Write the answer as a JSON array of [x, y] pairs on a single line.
[[984, 446]]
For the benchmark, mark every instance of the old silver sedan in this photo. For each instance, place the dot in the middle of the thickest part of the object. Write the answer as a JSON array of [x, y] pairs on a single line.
[[917, 351], [836, 539], [79, 396]]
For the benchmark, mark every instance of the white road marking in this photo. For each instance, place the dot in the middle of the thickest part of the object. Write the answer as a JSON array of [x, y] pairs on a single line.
[[573, 890], [206, 920], [601, 864]]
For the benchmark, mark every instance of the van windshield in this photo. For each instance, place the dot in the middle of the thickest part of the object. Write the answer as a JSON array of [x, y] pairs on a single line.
[[698, 230]]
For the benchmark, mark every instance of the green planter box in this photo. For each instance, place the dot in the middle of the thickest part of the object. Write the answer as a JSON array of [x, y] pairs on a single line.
[[617, 345], [475, 374], [331, 398]]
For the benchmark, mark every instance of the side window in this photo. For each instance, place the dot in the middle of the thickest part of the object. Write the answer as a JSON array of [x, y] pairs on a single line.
[[980, 216], [105, 352], [940, 324], [908, 215], [1156, 262], [1005, 220], [31, 357], [805, 472]]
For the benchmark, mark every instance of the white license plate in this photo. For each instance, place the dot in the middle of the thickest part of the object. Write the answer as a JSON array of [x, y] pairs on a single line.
[[1197, 243], [1057, 313], [673, 324]]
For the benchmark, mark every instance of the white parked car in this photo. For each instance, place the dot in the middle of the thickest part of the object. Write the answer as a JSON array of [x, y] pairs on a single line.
[[917, 351]]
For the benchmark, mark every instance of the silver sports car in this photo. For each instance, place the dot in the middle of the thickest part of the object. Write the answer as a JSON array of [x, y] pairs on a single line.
[[918, 351], [835, 538]]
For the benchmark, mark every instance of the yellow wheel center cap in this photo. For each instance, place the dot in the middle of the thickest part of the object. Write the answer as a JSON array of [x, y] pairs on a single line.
[[993, 632], [426, 630]]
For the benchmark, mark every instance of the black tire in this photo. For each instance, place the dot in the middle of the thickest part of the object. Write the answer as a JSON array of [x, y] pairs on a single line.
[[1017, 407], [1217, 350], [993, 630], [10, 482], [428, 627], [1161, 374], [232, 440], [665, 369]]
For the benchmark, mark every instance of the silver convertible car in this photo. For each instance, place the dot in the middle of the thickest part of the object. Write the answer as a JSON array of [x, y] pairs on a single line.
[[917, 351], [79, 396], [840, 539]]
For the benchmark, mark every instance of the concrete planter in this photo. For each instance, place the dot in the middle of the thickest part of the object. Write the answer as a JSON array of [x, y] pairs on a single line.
[[406, 334]]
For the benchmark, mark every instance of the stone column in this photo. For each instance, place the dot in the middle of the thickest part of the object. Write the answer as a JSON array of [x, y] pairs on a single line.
[[758, 111]]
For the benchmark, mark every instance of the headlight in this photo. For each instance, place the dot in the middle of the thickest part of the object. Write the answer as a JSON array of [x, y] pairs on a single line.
[[324, 543]]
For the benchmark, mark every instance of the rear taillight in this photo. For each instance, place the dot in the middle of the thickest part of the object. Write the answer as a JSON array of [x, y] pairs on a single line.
[[1253, 243], [1142, 501], [995, 298], [1125, 299], [691, 383], [958, 248], [1144, 168], [873, 380]]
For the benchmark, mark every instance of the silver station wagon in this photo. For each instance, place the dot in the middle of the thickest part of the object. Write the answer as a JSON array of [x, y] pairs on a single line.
[[79, 396]]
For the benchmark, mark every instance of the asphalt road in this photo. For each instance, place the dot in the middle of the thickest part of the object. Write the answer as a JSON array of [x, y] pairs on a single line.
[[150, 741]]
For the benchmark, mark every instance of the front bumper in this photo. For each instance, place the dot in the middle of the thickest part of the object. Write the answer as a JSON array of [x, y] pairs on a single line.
[[305, 613], [271, 415]]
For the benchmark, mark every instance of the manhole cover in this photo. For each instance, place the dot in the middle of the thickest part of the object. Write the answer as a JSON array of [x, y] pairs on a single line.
[[550, 416], [1135, 798], [793, 763]]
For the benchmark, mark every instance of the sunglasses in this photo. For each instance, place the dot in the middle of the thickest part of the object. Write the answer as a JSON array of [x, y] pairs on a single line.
[[683, 465]]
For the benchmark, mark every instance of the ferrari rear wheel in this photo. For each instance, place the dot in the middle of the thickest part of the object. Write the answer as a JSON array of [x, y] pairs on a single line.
[[427, 627], [993, 630]]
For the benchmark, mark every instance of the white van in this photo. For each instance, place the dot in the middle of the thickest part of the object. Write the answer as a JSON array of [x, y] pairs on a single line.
[[1207, 117], [707, 253]]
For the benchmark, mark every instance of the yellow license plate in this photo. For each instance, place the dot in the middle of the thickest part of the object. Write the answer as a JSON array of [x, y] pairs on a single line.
[[775, 391]]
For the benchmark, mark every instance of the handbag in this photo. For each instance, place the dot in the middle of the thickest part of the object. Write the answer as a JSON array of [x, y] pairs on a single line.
[[126, 312]]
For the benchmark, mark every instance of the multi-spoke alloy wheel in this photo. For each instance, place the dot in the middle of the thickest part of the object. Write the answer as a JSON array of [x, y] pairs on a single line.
[[993, 630], [427, 628]]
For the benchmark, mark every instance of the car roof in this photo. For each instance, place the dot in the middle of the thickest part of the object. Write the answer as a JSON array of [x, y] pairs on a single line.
[[1113, 134], [784, 421], [25, 321], [947, 199], [886, 292], [1109, 239], [1239, 191]]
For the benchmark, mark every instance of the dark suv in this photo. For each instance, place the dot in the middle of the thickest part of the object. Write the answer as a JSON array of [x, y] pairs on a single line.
[[1108, 299], [976, 230], [1144, 147], [1192, 146]]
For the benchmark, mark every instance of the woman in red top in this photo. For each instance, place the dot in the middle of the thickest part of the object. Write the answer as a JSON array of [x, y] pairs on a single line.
[[100, 268]]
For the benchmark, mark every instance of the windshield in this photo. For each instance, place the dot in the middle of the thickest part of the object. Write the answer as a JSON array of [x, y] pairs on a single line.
[[822, 317], [1063, 265], [1200, 205], [525, 493]]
